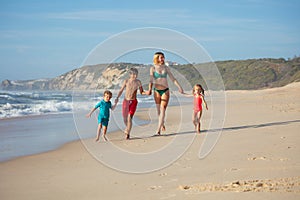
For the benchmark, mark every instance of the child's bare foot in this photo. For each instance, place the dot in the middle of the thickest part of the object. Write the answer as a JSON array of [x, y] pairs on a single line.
[[127, 136], [198, 128], [104, 138]]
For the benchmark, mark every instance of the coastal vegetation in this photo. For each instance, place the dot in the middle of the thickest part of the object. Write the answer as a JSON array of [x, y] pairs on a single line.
[[235, 74]]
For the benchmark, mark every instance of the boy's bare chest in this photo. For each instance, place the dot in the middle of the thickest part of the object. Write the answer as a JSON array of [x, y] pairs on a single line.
[[132, 84]]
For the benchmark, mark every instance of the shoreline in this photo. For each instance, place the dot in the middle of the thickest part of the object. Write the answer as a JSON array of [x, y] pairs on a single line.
[[256, 157], [140, 115], [139, 119]]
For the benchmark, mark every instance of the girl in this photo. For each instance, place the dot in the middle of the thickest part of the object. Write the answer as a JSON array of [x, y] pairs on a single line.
[[198, 94]]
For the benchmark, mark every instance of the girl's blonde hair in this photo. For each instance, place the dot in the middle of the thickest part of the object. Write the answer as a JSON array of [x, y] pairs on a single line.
[[200, 86], [155, 57]]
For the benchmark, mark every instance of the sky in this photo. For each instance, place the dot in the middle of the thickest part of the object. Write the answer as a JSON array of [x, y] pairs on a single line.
[[44, 39]]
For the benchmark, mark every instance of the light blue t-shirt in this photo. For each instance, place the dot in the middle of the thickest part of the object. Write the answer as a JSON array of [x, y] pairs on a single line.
[[104, 109]]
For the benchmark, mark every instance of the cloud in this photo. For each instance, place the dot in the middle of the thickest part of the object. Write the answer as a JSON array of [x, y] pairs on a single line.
[[178, 17], [161, 16], [51, 33]]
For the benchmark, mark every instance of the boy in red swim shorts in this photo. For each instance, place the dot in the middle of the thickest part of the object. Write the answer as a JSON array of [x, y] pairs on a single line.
[[130, 102]]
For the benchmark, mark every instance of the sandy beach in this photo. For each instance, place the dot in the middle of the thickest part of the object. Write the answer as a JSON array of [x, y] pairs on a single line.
[[256, 157]]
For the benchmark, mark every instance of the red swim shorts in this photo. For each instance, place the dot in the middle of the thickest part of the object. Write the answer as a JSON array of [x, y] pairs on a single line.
[[129, 107]]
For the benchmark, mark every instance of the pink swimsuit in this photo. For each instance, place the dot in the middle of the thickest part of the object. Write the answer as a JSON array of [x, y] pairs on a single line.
[[197, 103]]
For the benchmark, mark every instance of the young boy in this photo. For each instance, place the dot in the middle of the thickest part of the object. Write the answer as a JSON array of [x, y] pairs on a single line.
[[104, 113], [130, 102]]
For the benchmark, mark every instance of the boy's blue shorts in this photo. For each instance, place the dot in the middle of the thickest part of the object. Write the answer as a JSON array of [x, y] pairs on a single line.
[[103, 121]]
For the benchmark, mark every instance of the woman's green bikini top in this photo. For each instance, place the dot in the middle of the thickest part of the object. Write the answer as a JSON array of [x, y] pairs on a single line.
[[157, 75]]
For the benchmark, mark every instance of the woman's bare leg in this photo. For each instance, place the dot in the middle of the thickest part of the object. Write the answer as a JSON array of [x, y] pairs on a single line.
[[157, 100], [163, 107]]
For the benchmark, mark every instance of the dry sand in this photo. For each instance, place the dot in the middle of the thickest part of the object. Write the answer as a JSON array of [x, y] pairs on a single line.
[[256, 157]]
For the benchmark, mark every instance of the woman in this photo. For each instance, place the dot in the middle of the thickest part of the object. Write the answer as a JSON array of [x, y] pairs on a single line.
[[158, 77]]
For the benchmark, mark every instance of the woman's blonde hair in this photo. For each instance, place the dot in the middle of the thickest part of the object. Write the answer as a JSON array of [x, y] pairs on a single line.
[[155, 57]]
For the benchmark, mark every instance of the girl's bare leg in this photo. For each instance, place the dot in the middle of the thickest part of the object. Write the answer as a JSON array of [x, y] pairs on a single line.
[[198, 128], [98, 132], [194, 119], [198, 119]]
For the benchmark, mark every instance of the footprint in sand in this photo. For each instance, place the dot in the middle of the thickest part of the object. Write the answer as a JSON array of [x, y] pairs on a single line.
[[169, 196], [184, 187], [258, 158], [231, 169], [172, 180], [163, 174], [154, 187], [283, 159]]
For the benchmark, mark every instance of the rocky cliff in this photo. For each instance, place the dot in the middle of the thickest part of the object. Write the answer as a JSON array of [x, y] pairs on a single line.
[[85, 78]]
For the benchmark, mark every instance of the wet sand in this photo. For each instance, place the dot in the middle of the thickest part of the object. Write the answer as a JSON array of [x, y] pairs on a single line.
[[256, 157]]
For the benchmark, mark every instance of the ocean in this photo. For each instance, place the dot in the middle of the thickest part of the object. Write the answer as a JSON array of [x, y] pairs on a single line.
[[33, 122]]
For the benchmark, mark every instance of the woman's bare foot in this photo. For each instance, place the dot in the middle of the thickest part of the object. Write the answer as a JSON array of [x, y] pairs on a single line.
[[163, 128], [157, 133], [97, 139]]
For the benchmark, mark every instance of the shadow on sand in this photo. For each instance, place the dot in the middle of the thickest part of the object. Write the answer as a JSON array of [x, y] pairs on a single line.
[[216, 130], [224, 129]]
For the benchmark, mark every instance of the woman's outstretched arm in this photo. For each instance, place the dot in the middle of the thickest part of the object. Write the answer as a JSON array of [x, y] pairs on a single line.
[[174, 80]]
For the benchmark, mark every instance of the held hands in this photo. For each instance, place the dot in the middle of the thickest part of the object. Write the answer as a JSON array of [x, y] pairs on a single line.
[[181, 90], [187, 95], [148, 92]]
